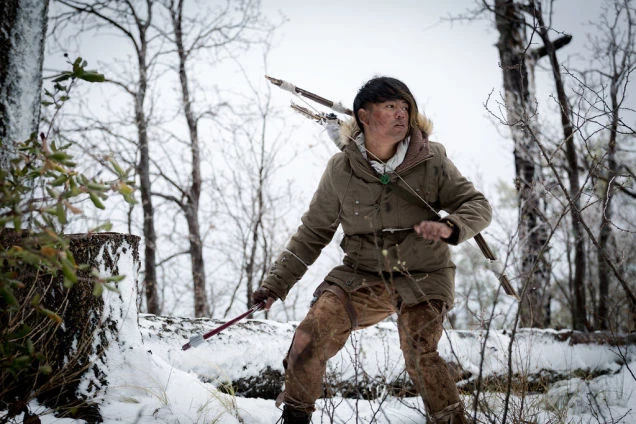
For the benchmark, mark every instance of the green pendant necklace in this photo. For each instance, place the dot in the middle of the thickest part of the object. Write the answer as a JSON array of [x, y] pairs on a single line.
[[385, 179]]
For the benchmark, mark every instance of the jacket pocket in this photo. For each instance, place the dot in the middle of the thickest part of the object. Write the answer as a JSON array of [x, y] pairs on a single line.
[[359, 212]]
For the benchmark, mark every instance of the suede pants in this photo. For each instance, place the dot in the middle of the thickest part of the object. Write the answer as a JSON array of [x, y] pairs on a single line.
[[327, 326]]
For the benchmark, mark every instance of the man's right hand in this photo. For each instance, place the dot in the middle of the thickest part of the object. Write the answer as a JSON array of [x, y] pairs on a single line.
[[263, 294]]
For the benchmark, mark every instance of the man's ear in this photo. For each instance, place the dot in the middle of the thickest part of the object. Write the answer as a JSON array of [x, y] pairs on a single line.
[[363, 116]]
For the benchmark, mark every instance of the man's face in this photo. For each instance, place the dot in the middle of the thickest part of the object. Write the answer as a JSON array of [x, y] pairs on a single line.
[[387, 121]]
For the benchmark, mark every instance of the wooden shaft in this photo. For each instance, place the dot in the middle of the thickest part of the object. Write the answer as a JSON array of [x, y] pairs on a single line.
[[312, 96], [485, 249]]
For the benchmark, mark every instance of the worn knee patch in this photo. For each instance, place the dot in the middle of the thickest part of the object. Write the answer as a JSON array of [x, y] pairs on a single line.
[[300, 346], [430, 357], [421, 326], [319, 336]]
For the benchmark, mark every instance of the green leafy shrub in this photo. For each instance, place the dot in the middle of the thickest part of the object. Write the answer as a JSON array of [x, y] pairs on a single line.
[[39, 190]]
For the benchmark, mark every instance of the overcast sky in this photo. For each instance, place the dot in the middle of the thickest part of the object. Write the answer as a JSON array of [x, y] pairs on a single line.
[[331, 47]]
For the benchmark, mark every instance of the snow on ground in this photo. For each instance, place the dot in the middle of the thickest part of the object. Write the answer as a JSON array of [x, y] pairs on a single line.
[[152, 380]]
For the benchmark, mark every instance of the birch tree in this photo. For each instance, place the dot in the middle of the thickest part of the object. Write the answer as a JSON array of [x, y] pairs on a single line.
[[195, 30], [566, 155], [618, 47], [198, 29], [521, 117], [22, 35], [579, 317], [604, 88], [133, 22]]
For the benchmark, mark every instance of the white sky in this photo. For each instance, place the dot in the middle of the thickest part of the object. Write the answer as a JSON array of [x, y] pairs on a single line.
[[332, 47]]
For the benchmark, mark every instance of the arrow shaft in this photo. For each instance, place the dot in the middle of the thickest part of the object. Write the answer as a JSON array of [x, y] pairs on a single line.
[[198, 339]]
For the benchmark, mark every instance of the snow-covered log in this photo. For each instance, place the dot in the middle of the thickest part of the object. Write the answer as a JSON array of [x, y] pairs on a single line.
[[248, 357]]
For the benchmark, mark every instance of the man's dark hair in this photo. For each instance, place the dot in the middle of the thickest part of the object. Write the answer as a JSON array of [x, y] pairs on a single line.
[[383, 89]]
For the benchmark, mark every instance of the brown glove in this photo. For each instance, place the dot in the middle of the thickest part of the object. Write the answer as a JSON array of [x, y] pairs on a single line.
[[263, 294]]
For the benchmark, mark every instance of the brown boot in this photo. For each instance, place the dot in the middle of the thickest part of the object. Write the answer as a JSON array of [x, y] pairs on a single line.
[[295, 416]]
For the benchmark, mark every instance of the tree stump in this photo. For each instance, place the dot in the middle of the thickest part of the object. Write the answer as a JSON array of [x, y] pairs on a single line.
[[68, 368]]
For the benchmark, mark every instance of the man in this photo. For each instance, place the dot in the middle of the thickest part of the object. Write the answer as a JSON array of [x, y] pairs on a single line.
[[385, 189]]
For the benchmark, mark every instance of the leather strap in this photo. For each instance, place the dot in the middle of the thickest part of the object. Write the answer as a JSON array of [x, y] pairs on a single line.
[[452, 414], [419, 201]]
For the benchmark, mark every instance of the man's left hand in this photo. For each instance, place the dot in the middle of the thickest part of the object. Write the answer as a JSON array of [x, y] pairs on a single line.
[[432, 230]]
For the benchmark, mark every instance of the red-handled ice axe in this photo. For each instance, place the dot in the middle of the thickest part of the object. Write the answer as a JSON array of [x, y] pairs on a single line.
[[199, 338]]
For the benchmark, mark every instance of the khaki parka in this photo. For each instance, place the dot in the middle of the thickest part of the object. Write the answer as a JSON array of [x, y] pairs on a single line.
[[379, 242]]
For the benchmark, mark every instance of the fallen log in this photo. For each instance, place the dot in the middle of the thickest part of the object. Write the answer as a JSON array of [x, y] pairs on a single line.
[[246, 359]]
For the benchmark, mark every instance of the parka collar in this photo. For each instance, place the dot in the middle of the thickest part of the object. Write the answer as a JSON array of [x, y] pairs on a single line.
[[418, 151]]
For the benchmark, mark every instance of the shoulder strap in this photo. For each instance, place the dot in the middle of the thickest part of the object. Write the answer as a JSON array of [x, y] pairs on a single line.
[[411, 196]]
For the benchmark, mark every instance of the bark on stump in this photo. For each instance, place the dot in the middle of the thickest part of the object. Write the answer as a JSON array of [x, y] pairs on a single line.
[[76, 348]]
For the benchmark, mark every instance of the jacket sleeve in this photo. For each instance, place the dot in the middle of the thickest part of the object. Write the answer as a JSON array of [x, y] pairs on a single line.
[[468, 209], [318, 225]]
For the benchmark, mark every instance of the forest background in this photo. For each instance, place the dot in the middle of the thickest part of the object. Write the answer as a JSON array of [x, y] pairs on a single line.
[[532, 101], [224, 168]]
